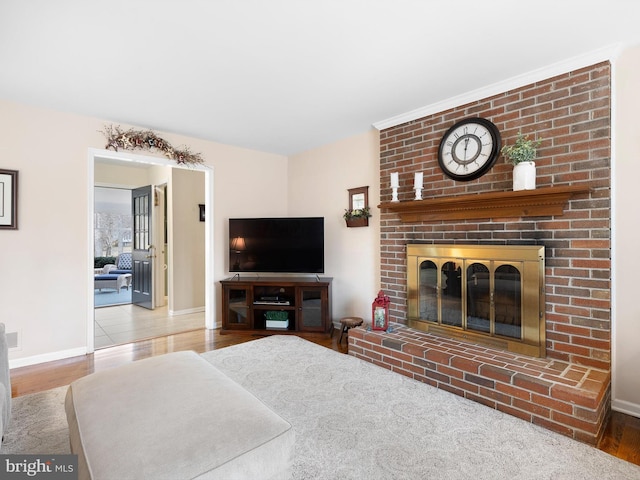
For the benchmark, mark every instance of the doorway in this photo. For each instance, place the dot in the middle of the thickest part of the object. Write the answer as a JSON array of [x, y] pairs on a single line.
[[113, 243], [124, 159]]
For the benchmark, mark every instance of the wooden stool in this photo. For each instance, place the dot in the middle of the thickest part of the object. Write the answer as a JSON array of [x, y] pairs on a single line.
[[347, 323]]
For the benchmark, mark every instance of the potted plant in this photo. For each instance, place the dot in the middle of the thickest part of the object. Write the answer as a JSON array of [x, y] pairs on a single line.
[[522, 155], [358, 217]]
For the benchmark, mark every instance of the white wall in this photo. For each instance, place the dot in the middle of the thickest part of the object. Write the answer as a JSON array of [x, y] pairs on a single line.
[[43, 281], [186, 241], [123, 176], [318, 184], [43, 264], [626, 234]]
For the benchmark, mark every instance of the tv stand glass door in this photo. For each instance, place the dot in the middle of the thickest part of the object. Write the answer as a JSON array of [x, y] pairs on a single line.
[[238, 307]]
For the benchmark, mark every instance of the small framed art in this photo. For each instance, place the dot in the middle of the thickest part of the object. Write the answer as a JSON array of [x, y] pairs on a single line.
[[358, 213], [8, 199]]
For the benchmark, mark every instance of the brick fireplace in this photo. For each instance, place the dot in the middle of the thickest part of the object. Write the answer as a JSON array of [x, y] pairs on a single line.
[[568, 390]]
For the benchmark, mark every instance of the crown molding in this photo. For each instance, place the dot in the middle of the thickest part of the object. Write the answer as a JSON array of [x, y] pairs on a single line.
[[606, 53]]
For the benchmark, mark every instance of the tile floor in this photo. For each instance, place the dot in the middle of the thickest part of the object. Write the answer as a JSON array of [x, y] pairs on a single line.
[[128, 323]]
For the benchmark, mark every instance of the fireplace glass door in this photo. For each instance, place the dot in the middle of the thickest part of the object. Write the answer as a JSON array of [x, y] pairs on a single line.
[[494, 298], [493, 294], [492, 302], [441, 291]]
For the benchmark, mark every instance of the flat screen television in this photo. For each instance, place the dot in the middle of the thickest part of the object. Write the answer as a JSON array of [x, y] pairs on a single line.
[[276, 245]]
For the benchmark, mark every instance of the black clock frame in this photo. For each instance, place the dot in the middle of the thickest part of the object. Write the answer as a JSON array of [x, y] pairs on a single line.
[[493, 156]]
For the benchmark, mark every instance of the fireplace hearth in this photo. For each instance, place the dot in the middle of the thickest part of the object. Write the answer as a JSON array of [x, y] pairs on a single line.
[[492, 295]]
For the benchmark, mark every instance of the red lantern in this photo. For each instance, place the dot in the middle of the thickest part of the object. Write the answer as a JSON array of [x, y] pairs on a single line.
[[380, 312]]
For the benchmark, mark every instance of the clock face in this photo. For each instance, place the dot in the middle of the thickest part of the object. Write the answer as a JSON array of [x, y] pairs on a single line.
[[469, 149]]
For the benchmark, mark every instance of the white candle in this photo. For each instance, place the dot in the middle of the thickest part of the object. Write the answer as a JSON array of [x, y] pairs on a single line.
[[395, 182], [417, 181]]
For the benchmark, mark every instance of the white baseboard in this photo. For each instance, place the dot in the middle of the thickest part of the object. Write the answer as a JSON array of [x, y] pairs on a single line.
[[47, 357], [186, 311], [623, 406]]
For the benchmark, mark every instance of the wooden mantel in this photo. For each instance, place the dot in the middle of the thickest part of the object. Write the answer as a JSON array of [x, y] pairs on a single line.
[[524, 203]]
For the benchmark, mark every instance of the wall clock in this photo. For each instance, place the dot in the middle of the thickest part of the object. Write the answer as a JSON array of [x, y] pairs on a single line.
[[469, 149]]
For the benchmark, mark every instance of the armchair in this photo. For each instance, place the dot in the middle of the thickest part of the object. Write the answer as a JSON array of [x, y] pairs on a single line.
[[124, 263], [114, 276]]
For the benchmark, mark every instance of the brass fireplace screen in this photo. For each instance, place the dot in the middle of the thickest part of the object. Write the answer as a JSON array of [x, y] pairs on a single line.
[[488, 294]]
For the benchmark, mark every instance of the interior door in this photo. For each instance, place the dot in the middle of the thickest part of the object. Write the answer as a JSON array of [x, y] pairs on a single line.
[[143, 250]]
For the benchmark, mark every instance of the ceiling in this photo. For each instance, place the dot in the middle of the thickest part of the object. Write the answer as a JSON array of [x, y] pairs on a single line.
[[284, 76]]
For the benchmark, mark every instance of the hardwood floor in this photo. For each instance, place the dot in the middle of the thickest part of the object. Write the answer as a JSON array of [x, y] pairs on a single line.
[[621, 437], [43, 376]]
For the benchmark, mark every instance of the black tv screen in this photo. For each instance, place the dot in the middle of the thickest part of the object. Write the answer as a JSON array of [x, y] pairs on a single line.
[[276, 245]]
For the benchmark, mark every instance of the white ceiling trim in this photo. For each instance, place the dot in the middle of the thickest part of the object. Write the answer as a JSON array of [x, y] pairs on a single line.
[[590, 58]]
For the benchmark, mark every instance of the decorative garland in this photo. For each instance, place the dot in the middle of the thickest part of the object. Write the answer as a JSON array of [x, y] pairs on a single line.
[[147, 140]]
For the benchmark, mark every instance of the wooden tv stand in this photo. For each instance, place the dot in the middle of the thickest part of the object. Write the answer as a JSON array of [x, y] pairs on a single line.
[[276, 304]]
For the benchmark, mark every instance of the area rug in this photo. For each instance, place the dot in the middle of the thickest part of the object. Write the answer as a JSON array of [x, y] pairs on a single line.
[[38, 424], [354, 420], [107, 298]]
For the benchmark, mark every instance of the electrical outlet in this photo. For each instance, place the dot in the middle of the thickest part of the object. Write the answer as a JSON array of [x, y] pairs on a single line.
[[12, 339]]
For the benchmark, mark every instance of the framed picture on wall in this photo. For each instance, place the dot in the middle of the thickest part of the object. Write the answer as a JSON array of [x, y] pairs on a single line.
[[8, 199]]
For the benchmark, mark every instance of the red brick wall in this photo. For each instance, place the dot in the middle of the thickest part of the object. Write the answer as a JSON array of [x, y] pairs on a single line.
[[571, 113]]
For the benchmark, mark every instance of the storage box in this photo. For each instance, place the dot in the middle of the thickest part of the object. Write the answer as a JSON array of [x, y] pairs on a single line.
[[277, 319], [282, 324]]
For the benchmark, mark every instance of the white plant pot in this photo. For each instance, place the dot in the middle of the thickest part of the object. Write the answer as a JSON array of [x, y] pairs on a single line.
[[524, 176]]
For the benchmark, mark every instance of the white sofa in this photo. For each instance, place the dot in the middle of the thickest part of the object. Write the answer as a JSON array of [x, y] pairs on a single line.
[[170, 417]]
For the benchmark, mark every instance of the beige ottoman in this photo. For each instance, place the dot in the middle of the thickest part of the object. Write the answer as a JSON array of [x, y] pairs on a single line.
[[170, 417]]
